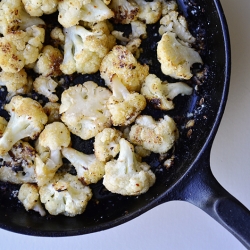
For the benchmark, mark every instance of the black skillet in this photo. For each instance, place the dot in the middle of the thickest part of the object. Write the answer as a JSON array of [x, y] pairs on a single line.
[[190, 178]]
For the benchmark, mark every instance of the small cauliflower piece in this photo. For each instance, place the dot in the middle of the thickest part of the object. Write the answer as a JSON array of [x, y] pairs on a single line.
[[27, 119], [106, 144], [126, 175], [89, 169], [51, 109], [46, 86], [120, 61], [84, 109], [16, 83], [168, 6], [57, 36], [14, 17], [125, 11], [160, 94], [175, 58], [52, 139], [40, 7], [3, 125], [156, 136], [73, 11], [149, 11], [84, 50], [29, 196], [173, 22], [66, 195], [49, 61], [18, 164], [123, 105]]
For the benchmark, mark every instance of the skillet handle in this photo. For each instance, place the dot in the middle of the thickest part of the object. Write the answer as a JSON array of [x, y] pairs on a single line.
[[202, 190]]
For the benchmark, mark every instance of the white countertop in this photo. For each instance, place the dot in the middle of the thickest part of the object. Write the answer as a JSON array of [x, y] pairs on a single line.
[[179, 225]]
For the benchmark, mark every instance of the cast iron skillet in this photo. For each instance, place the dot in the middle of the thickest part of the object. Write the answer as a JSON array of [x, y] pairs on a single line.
[[190, 178]]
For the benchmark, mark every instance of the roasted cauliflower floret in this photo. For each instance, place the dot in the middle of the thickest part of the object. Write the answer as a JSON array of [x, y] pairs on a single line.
[[58, 37], [149, 11], [120, 61], [156, 136], [28, 194], [73, 11], [49, 61], [51, 109], [173, 22], [16, 83], [3, 125], [14, 17], [168, 6], [46, 86], [125, 11], [160, 94], [89, 169], [52, 139], [18, 164], [106, 144], [126, 175], [40, 7], [66, 195], [84, 109], [123, 105], [21, 48], [27, 119], [176, 59], [84, 50]]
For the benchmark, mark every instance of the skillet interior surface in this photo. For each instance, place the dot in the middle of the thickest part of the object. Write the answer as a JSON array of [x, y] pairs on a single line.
[[107, 210]]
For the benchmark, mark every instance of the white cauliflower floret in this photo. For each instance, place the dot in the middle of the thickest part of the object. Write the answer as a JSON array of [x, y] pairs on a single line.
[[141, 151], [57, 36], [125, 11], [149, 11], [106, 144], [46, 86], [168, 6], [27, 120], [49, 61], [156, 136], [73, 11], [14, 17], [160, 94], [20, 48], [18, 164], [123, 105], [84, 50], [126, 175], [51, 109], [173, 22], [84, 109], [176, 59], [66, 195], [16, 83], [28, 194], [52, 139], [40, 7], [120, 61], [88, 168]]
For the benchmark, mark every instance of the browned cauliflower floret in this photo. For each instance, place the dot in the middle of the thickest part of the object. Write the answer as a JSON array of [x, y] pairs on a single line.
[[3, 125], [27, 119], [49, 61], [40, 7], [89, 169], [156, 136], [52, 139], [29, 196], [84, 109], [14, 17], [66, 195], [73, 11], [123, 105], [120, 61], [106, 144], [176, 59], [51, 109], [126, 175], [46, 86], [16, 83], [160, 94], [58, 37], [85, 49]]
